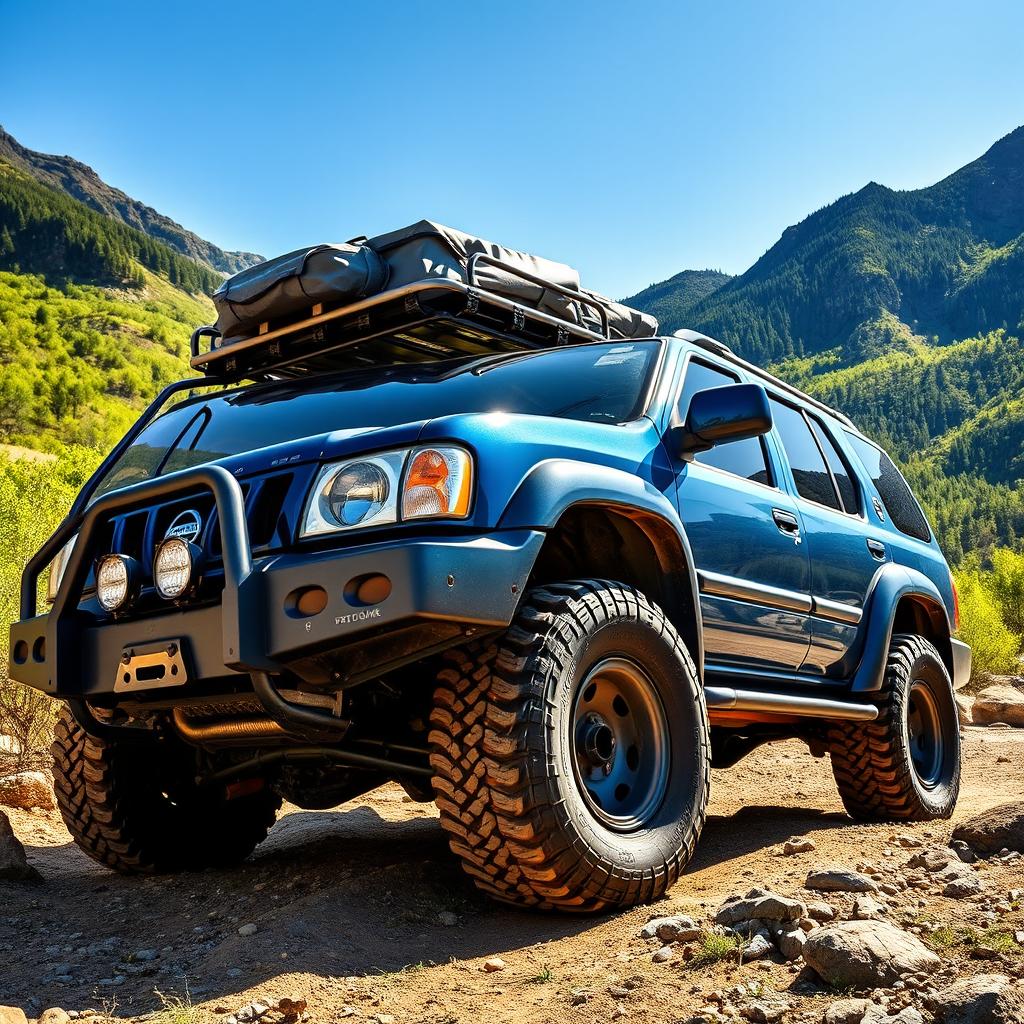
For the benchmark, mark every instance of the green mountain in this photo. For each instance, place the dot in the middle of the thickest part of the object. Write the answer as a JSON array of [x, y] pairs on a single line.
[[95, 317], [44, 231], [905, 310], [878, 267], [671, 301], [81, 182]]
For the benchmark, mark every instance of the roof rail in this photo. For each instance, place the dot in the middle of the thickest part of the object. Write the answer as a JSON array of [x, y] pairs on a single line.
[[711, 344], [720, 348]]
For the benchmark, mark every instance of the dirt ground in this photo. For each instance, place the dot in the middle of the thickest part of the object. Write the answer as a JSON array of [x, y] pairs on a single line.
[[346, 906]]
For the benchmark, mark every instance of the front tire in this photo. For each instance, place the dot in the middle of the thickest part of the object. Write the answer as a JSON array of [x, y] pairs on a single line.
[[134, 806], [904, 766], [595, 753]]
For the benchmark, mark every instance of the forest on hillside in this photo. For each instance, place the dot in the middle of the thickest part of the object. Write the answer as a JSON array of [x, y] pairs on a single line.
[[43, 231]]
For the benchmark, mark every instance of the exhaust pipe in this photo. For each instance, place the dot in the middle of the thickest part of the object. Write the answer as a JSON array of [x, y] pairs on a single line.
[[725, 698]]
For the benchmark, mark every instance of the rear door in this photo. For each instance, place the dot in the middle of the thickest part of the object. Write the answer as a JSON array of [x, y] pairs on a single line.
[[746, 538], [845, 549]]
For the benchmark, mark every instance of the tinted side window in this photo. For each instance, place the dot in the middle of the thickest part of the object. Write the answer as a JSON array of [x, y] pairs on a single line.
[[809, 470], [901, 505], [840, 470], [745, 458]]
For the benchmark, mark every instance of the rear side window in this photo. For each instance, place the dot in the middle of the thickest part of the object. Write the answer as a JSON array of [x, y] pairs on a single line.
[[811, 475], [744, 458], [840, 470], [900, 503]]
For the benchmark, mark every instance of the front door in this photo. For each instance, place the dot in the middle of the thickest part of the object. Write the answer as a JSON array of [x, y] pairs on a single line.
[[747, 542]]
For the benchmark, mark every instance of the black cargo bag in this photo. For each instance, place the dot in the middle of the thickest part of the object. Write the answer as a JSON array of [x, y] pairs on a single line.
[[297, 281]]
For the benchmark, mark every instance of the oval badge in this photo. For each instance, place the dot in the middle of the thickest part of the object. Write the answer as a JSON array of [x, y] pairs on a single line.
[[186, 525]]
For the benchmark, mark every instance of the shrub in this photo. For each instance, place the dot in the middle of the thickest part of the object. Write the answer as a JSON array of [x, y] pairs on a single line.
[[1007, 585], [994, 645], [34, 496]]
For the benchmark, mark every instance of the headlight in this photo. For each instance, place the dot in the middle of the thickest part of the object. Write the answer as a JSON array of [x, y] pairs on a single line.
[[432, 482], [175, 568], [57, 567], [116, 581], [358, 493]]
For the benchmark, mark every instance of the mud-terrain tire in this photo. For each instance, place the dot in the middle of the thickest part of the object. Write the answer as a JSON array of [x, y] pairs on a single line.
[[573, 760], [905, 765], [134, 806], [460, 774]]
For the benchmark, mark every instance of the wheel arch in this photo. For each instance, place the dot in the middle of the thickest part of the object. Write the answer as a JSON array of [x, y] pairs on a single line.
[[902, 600], [606, 523]]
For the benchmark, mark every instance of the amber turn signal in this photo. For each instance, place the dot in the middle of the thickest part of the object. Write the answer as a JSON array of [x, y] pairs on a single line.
[[438, 482]]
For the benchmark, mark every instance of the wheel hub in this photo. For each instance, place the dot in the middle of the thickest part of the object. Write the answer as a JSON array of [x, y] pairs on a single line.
[[619, 735], [597, 741], [925, 734]]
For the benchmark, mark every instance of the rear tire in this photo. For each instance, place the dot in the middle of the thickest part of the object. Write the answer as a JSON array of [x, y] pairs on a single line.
[[585, 748], [134, 805], [904, 766]]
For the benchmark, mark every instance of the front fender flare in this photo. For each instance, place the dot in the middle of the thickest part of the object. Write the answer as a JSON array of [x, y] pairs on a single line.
[[554, 486], [892, 583]]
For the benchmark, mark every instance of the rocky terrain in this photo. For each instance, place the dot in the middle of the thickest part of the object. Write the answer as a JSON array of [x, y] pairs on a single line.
[[790, 913]]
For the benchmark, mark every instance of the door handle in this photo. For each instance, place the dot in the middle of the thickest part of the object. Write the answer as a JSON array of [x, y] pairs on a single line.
[[787, 523], [877, 549]]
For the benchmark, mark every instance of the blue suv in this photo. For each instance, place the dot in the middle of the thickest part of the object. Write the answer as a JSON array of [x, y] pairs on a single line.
[[549, 589]]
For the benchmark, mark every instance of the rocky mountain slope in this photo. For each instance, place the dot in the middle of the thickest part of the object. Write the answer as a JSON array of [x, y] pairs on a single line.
[[81, 182], [878, 267]]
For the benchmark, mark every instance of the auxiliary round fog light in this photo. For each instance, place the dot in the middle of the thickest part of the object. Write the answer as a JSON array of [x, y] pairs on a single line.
[[174, 568], [114, 580]]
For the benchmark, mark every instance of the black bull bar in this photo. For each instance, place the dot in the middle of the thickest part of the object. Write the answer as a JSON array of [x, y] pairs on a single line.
[[53, 655]]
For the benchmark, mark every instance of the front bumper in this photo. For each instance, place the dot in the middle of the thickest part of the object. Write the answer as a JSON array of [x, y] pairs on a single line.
[[441, 588], [961, 663]]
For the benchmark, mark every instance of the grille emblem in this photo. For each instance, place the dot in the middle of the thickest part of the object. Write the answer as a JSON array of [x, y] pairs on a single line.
[[186, 525]]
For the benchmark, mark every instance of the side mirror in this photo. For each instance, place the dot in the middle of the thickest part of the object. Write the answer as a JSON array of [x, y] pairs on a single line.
[[729, 413]]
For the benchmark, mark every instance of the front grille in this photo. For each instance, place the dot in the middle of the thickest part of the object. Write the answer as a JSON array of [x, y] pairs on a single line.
[[138, 533]]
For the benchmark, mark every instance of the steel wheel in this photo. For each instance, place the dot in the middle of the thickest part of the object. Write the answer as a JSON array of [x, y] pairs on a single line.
[[619, 736], [924, 734]]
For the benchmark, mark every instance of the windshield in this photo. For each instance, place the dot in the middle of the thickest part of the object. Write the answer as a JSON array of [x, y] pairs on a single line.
[[604, 383]]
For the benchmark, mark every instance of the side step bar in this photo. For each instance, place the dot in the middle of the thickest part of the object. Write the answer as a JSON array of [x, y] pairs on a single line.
[[725, 698]]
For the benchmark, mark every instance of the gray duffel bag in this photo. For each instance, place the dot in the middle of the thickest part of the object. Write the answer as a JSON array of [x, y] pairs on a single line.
[[427, 250], [296, 281]]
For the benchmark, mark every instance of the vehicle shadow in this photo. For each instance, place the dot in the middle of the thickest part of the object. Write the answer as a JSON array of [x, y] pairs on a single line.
[[756, 827], [332, 894]]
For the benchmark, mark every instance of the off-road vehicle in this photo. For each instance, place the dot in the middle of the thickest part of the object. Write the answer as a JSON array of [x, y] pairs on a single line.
[[473, 533]]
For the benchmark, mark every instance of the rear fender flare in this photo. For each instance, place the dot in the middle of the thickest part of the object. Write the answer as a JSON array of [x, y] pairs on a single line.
[[894, 583], [554, 486]]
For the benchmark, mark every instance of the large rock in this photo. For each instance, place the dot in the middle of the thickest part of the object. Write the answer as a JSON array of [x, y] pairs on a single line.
[[12, 1015], [853, 1011], [997, 828], [999, 704], [934, 858], [671, 929], [759, 905], [866, 954], [26, 790], [839, 880], [13, 864], [985, 999]]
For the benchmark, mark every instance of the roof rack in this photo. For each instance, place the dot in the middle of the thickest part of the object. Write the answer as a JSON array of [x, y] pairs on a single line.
[[426, 320], [720, 348]]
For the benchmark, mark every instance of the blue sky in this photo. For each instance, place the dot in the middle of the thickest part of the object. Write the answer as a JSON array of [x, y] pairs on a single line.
[[632, 140]]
